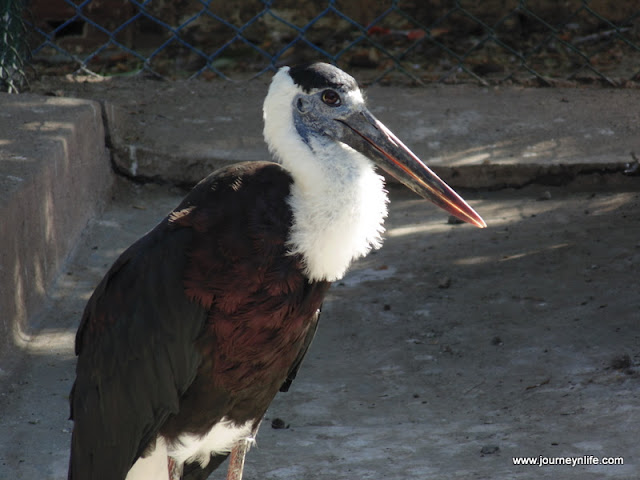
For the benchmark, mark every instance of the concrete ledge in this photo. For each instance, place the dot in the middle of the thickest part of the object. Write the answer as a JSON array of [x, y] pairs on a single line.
[[474, 137], [489, 138], [55, 174]]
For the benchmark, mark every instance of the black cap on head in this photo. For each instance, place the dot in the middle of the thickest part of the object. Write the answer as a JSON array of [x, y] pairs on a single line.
[[311, 76]]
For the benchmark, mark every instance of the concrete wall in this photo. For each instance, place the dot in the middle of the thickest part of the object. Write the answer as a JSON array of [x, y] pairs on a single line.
[[55, 174]]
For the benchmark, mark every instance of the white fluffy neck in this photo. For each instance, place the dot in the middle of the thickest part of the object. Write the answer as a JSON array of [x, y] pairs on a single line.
[[339, 217], [338, 201]]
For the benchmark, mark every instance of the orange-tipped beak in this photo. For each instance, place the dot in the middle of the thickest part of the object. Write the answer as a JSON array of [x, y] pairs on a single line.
[[377, 142]]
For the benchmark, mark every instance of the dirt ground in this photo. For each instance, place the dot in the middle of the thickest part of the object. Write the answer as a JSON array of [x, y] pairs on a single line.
[[442, 356]]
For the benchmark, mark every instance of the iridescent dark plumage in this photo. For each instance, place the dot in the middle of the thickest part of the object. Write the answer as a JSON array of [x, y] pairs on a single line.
[[248, 322]]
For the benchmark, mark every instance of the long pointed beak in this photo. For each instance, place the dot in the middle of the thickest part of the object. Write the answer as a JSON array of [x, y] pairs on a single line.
[[369, 136]]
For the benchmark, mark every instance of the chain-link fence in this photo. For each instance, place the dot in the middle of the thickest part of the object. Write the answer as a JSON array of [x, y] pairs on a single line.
[[491, 41], [13, 45]]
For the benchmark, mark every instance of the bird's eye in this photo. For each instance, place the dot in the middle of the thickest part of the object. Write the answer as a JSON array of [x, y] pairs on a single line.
[[331, 98]]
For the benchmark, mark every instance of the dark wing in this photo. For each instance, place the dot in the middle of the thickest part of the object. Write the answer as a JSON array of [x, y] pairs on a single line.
[[154, 343], [135, 355], [136, 343], [305, 347]]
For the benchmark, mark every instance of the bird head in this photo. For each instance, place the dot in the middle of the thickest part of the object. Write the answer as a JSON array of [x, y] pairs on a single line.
[[319, 107]]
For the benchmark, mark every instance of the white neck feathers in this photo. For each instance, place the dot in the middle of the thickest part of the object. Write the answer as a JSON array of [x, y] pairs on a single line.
[[337, 199]]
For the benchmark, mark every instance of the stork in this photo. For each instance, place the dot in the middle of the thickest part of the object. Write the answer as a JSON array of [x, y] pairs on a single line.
[[197, 325]]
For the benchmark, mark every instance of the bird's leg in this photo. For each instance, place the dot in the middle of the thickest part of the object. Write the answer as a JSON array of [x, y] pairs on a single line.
[[175, 469], [236, 459], [238, 453]]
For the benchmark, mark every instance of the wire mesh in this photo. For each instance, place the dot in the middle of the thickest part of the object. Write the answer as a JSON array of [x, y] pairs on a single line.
[[13, 48], [494, 41]]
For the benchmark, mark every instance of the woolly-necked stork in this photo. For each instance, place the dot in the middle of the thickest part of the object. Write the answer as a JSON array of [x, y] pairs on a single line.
[[197, 326]]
